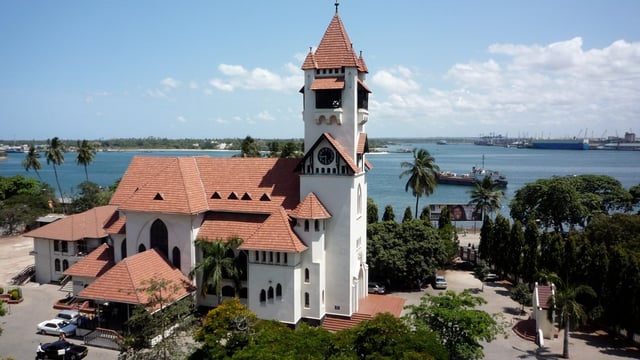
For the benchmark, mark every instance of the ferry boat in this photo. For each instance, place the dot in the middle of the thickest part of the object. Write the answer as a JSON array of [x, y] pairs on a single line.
[[476, 175]]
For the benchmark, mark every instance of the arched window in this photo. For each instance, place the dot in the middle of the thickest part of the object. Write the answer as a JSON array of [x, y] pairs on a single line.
[[317, 225], [159, 237], [123, 248], [270, 293], [65, 264], [142, 248], [306, 225], [359, 205], [306, 275], [263, 296], [306, 300], [241, 263], [175, 256], [56, 264], [278, 291]]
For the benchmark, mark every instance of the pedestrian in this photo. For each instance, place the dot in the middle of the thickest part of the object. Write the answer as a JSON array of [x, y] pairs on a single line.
[[62, 337]]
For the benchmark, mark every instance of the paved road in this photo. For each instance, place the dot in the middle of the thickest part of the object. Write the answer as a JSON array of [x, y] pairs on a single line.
[[592, 346]]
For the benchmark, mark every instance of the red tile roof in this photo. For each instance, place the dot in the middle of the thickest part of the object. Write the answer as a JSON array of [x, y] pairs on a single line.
[[335, 50], [116, 224], [124, 282], [330, 83], [311, 208], [93, 265], [544, 295], [188, 185], [88, 224], [222, 226], [275, 234], [347, 158]]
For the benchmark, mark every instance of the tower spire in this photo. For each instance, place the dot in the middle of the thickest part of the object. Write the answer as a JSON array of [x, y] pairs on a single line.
[[337, 4]]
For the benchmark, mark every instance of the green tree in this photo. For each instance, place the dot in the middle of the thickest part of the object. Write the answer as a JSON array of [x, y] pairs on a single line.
[[162, 310], [55, 157], [515, 248], [90, 196], [425, 214], [85, 156], [522, 295], [372, 211], [445, 217], [407, 215], [249, 148], [31, 161], [423, 174], [530, 253], [457, 321], [501, 244], [485, 247], [225, 330], [215, 263], [388, 214], [486, 197], [387, 337], [290, 150]]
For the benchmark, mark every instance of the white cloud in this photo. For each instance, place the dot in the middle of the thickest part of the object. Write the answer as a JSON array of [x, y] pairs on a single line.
[[170, 83], [237, 77], [182, 119], [559, 86], [265, 115], [193, 85], [396, 80]]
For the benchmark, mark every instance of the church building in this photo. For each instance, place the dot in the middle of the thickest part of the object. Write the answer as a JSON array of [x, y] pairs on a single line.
[[302, 221]]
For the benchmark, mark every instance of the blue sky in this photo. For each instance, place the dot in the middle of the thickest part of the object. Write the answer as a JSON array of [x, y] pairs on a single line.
[[217, 69]]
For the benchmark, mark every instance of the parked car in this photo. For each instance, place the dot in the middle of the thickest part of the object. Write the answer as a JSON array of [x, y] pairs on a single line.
[[375, 288], [56, 327], [440, 282], [70, 316], [491, 277], [61, 349]]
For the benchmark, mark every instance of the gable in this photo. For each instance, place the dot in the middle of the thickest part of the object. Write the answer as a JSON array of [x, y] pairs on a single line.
[[344, 164]]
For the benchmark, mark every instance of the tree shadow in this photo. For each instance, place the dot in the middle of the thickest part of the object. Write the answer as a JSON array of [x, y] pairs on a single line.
[[609, 345], [539, 353]]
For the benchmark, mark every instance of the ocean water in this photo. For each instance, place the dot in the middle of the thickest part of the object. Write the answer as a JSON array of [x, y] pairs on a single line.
[[521, 166]]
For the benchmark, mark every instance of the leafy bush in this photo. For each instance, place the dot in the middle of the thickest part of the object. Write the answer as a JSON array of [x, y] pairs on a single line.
[[1, 290]]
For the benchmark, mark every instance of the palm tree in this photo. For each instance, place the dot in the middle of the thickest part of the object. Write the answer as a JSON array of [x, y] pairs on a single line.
[[423, 174], [31, 161], [55, 156], [86, 154], [486, 197], [569, 310], [215, 263]]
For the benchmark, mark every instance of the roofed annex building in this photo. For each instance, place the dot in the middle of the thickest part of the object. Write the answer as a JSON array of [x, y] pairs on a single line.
[[302, 221]]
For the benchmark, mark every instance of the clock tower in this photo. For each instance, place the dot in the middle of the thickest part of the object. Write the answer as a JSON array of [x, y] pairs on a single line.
[[335, 100]]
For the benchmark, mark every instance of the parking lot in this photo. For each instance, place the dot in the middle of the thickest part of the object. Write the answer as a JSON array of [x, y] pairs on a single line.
[[19, 338]]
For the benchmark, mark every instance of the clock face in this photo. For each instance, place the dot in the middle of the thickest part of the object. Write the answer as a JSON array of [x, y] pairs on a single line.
[[325, 156]]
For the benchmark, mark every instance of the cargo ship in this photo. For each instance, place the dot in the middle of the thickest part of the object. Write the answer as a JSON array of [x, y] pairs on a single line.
[[561, 144], [476, 176]]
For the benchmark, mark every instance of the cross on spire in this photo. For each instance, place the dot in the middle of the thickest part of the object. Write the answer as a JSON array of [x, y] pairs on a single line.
[[337, 4]]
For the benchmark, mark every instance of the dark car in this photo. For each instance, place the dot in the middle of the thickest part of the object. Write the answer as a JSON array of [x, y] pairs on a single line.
[[61, 349]]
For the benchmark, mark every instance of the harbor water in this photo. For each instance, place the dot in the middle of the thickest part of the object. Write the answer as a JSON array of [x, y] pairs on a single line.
[[520, 166]]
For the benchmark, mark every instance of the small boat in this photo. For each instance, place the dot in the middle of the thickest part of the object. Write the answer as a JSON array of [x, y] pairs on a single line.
[[442, 142], [475, 176]]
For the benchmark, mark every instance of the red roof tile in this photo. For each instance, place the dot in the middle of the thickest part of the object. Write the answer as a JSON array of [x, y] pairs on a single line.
[[329, 83], [124, 282], [188, 184], [544, 295], [310, 208], [222, 226], [275, 234], [88, 224], [335, 50], [93, 265], [116, 224], [347, 158]]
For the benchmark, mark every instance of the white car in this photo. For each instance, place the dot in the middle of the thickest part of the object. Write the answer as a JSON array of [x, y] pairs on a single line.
[[440, 282], [56, 327], [70, 316]]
